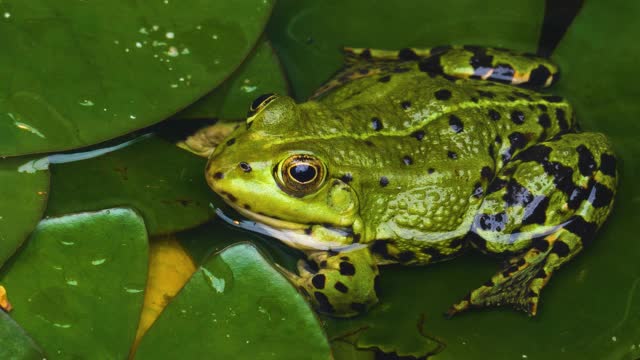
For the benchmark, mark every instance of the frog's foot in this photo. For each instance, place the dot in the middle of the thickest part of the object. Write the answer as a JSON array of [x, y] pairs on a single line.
[[204, 141], [337, 284], [520, 282], [4, 300]]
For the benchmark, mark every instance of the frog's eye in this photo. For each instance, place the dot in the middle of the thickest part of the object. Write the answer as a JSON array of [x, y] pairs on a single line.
[[258, 104], [300, 175]]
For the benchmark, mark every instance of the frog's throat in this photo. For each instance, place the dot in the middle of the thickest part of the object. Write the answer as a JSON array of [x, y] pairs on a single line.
[[292, 234]]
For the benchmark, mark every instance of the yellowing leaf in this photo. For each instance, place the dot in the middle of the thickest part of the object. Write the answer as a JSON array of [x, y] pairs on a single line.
[[169, 269], [4, 300]]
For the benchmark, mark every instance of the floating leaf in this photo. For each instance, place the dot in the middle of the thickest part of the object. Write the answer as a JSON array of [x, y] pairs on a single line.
[[73, 76], [77, 285], [236, 306], [308, 36], [24, 191], [260, 73], [169, 269], [164, 183], [16, 344]]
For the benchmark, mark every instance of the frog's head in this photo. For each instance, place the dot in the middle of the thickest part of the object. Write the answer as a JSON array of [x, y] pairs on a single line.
[[274, 173]]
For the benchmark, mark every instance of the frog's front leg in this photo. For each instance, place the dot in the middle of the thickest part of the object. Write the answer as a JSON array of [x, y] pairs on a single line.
[[545, 205], [339, 284]]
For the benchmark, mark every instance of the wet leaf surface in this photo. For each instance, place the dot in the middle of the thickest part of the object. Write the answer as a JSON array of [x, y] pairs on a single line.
[[236, 306], [77, 285], [16, 344], [73, 77], [23, 194], [166, 184], [260, 73], [308, 36]]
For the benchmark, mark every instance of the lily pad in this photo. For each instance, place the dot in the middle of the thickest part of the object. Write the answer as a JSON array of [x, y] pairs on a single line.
[[170, 267], [73, 77], [24, 193], [260, 73], [16, 344], [601, 90], [308, 36], [164, 183], [77, 285], [236, 306]]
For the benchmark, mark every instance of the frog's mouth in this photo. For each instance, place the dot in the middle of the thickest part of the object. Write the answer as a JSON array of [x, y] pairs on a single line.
[[296, 235]]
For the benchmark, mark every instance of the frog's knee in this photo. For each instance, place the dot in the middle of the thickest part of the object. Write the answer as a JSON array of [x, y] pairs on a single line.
[[341, 284]]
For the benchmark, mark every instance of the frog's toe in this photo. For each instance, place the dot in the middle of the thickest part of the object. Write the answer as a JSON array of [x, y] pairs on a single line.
[[518, 285], [205, 140], [485, 296]]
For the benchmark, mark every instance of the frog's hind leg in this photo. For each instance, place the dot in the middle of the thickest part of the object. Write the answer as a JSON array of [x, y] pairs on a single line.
[[453, 62], [543, 206], [499, 65]]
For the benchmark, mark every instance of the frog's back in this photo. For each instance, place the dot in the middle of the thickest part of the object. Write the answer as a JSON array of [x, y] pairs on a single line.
[[425, 148], [407, 102]]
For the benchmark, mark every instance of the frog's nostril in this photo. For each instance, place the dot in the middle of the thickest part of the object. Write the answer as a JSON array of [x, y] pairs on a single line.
[[213, 170], [245, 167]]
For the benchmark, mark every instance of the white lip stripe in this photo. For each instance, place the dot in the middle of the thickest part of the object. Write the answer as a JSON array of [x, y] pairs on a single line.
[[294, 238]]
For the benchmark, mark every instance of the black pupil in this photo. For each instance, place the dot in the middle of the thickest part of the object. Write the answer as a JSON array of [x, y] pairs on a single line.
[[303, 173]]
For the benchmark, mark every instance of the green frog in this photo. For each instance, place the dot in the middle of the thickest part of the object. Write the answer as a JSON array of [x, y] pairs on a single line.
[[413, 157]]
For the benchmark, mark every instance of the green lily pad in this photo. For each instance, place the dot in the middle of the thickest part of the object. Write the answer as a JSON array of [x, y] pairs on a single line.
[[600, 89], [16, 344], [24, 193], [342, 349], [77, 285], [236, 306], [163, 182], [73, 77], [260, 73], [308, 36]]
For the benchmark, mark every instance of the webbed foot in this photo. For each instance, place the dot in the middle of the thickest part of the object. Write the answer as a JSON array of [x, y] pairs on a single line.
[[204, 141], [518, 285]]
